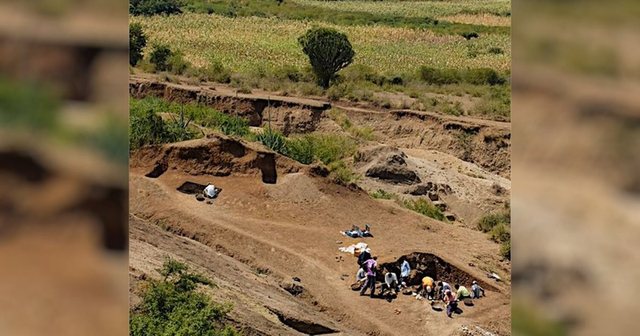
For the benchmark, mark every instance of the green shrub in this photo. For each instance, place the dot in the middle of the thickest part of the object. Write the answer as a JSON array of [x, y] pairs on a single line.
[[342, 174], [338, 91], [439, 76], [505, 249], [328, 50], [177, 64], [231, 125], [381, 194], [273, 140], [424, 207], [301, 149], [483, 76], [500, 233], [496, 51], [154, 7], [159, 57], [489, 221], [27, 105], [330, 148], [137, 42], [172, 306]]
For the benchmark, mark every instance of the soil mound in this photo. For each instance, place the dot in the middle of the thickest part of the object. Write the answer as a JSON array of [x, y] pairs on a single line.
[[388, 164], [216, 155]]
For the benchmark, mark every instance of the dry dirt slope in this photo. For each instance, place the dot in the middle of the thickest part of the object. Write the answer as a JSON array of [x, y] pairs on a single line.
[[255, 237]]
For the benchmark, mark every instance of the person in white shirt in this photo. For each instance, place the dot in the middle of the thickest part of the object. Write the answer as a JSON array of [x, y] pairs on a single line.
[[210, 191], [390, 283]]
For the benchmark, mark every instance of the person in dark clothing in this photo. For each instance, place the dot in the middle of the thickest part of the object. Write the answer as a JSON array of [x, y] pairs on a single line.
[[364, 256]]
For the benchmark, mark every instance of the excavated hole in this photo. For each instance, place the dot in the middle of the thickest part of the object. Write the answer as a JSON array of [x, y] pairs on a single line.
[[158, 170], [191, 188], [427, 264], [305, 327]]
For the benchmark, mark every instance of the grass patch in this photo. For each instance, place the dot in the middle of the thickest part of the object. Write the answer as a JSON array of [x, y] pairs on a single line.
[[498, 226], [199, 114], [342, 174], [381, 194], [424, 207]]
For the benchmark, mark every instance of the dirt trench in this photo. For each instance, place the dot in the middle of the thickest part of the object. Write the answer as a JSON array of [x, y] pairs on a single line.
[[288, 115], [427, 264], [215, 156]]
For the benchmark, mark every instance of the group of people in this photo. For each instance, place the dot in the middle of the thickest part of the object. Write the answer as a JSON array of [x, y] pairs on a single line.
[[429, 288], [440, 290]]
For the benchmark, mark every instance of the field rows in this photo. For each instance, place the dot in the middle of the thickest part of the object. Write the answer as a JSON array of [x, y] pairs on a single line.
[[433, 9], [246, 43]]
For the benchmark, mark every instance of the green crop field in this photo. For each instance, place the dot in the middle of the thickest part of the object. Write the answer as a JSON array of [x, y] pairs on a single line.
[[433, 9], [246, 43]]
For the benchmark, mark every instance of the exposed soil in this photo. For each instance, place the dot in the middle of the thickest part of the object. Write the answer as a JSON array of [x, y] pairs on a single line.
[[272, 248]]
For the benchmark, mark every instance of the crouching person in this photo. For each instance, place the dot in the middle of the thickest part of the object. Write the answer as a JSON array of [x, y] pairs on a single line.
[[390, 283], [476, 291], [462, 292]]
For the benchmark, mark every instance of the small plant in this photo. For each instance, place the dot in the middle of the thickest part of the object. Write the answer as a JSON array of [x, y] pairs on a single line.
[[273, 140], [496, 51], [489, 221], [137, 42], [301, 150], [328, 50], [381, 194], [342, 174], [424, 207]]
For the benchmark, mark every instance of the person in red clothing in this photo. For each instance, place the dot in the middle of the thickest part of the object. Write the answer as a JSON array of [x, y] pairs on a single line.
[[451, 301], [370, 268]]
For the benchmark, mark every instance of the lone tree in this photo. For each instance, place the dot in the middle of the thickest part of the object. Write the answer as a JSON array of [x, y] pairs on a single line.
[[137, 42], [328, 51]]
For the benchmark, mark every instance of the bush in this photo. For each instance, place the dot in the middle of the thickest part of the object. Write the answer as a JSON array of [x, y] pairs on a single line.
[[301, 150], [154, 7], [172, 306], [330, 148], [424, 207], [496, 51], [273, 140], [439, 76], [381, 194], [489, 221], [505, 249], [500, 233], [177, 64], [137, 42], [328, 50], [160, 57], [27, 105], [483, 76], [342, 174], [231, 125]]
